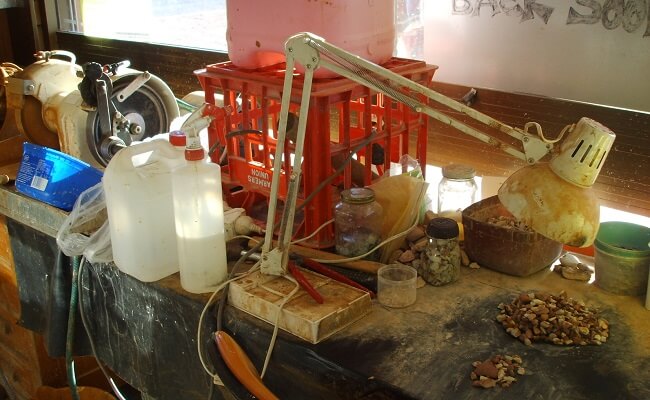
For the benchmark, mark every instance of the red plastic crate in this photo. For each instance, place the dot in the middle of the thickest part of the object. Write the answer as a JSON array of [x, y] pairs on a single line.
[[341, 115]]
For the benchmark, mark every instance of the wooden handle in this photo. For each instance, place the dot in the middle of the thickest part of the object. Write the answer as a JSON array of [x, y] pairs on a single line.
[[242, 367], [370, 267]]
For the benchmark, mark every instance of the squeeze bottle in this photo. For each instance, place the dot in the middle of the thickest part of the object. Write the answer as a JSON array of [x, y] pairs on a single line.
[[199, 220]]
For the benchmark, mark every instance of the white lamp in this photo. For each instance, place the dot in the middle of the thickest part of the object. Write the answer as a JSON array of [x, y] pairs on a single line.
[[553, 198]]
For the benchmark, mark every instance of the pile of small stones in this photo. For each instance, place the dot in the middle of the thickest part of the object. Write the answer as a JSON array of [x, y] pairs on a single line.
[[497, 370], [559, 320], [509, 223]]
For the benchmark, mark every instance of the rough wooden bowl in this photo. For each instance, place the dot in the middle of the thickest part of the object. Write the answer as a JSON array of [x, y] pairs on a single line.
[[511, 251]]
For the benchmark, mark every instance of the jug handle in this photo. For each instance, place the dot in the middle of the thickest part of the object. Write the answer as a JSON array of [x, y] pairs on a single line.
[[123, 160]]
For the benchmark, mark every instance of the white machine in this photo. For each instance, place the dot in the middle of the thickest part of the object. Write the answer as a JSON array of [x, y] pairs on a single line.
[[88, 112]]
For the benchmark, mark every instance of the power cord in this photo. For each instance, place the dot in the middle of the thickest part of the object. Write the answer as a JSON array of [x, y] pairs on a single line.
[[383, 243]]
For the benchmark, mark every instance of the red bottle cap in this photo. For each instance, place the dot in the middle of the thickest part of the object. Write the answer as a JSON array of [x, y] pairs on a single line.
[[177, 138], [194, 154]]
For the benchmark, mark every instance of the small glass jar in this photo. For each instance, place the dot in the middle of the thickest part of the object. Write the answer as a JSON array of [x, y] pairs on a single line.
[[456, 191], [357, 222], [440, 260]]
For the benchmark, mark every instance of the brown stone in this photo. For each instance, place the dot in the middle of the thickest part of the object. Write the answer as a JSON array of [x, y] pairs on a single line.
[[487, 369]]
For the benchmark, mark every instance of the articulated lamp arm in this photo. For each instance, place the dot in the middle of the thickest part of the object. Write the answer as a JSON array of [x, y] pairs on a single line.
[[308, 49], [313, 52]]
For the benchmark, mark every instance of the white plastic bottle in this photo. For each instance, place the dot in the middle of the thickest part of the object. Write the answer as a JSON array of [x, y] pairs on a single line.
[[198, 211], [138, 190]]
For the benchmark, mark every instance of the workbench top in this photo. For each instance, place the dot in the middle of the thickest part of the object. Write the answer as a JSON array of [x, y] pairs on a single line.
[[33, 213], [146, 332], [427, 349]]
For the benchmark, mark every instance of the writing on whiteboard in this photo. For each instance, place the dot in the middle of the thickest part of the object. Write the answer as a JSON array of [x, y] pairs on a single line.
[[612, 14]]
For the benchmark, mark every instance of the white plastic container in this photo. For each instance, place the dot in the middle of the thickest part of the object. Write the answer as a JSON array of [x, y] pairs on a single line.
[[257, 30], [137, 185], [198, 211]]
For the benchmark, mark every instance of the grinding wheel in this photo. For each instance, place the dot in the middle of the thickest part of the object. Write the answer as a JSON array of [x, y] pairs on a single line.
[[153, 107]]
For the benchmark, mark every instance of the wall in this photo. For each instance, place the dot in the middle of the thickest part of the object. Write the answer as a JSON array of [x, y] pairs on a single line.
[[587, 50]]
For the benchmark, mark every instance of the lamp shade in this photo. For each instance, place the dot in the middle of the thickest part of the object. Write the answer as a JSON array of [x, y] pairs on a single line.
[[552, 206]]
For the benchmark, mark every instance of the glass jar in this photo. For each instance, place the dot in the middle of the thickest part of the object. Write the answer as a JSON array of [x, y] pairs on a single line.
[[440, 260], [357, 222], [456, 191]]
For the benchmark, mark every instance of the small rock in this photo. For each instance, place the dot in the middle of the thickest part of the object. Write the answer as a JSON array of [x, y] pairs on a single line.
[[579, 272], [420, 244], [406, 257], [395, 255], [428, 216], [415, 234], [485, 383], [474, 265], [487, 369], [464, 258]]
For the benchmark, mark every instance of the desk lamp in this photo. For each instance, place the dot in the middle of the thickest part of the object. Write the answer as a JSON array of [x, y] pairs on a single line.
[[553, 198]]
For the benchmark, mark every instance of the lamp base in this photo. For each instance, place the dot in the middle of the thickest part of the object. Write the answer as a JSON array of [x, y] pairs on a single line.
[[261, 295]]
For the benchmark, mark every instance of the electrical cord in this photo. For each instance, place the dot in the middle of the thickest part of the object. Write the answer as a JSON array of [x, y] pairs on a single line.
[[323, 225], [216, 379], [276, 325], [383, 243], [221, 308]]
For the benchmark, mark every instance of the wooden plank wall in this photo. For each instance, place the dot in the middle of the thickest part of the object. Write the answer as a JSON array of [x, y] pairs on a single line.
[[174, 65], [624, 182]]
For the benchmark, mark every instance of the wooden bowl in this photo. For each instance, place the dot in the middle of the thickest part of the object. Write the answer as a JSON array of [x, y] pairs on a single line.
[[508, 250]]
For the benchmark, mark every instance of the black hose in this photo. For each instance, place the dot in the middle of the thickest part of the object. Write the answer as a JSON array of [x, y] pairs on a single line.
[[69, 344]]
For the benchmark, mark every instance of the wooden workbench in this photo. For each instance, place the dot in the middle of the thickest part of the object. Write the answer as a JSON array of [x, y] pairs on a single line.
[[146, 333]]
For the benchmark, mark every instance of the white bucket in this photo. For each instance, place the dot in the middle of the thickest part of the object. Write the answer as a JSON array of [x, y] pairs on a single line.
[[257, 30]]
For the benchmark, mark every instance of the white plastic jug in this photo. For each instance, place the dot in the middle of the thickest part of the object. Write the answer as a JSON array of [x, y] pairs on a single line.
[[198, 210], [257, 30], [137, 186]]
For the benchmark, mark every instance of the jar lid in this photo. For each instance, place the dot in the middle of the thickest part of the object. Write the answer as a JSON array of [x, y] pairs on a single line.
[[442, 228], [358, 195], [458, 171], [177, 138]]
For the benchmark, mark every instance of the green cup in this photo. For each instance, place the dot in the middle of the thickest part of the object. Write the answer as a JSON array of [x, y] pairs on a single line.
[[622, 258]]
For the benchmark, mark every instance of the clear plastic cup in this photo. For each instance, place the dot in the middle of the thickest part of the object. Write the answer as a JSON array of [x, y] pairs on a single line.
[[396, 285]]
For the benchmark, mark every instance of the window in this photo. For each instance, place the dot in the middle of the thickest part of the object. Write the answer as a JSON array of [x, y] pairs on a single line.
[[196, 23], [186, 23]]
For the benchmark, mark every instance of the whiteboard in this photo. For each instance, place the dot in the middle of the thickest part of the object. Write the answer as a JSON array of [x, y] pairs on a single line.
[[596, 51]]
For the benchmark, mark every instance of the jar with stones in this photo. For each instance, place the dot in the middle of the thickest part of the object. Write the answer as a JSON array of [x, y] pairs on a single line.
[[440, 260], [358, 218]]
